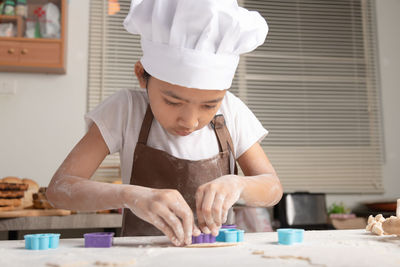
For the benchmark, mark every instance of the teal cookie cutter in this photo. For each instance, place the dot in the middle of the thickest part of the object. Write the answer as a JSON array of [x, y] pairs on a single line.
[[230, 235], [290, 236], [41, 241]]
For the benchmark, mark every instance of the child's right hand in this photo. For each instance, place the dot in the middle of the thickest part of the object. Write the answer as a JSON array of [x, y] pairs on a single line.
[[166, 209]]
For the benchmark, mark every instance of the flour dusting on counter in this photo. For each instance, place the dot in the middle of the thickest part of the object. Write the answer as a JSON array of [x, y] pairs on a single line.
[[320, 248]]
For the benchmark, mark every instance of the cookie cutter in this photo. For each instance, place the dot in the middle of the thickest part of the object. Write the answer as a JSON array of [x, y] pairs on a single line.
[[41, 241], [289, 236], [98, 239], [203, 238], [230, 235], [227, 233], [228, 226]]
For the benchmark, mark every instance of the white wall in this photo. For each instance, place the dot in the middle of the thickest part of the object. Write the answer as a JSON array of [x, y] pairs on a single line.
[[43, 121]]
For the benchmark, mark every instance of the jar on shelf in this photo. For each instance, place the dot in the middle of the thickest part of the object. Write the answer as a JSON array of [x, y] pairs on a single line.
[[9, 8], [21, 8]]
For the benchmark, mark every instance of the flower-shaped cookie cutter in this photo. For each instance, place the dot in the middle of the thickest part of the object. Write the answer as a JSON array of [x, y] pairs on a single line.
[[41, 241], [230, 235], [227, 233], [289, 236]]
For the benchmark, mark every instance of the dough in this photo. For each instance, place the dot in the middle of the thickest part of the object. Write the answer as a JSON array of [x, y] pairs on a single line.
[[392, 226], [375, 224], [213, 245]]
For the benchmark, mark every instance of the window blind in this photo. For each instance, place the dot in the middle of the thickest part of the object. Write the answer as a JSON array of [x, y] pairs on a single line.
[[313, 84], [112, 55]]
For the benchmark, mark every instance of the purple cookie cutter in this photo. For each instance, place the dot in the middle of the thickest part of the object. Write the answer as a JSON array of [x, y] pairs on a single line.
[[98, 240], [203, 238], [228, 226], [209, 238]]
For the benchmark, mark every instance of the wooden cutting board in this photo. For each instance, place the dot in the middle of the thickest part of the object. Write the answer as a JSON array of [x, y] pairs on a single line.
[[33, 212]]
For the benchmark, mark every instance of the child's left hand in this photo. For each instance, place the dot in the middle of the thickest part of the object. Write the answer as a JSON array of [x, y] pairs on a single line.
[[214, 199]]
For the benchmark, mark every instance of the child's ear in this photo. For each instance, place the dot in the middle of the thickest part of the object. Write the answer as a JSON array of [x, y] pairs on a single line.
[[139, 71]]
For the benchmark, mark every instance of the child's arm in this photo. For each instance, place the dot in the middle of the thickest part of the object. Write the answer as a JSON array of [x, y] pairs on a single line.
[[260, 187], [78, 167], [70, 188]]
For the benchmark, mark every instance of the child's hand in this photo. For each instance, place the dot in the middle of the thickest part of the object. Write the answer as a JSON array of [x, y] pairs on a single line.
[[214, 199], [165, 209]]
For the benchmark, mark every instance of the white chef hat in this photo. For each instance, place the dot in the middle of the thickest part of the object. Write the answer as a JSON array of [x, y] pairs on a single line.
[[194, 43]]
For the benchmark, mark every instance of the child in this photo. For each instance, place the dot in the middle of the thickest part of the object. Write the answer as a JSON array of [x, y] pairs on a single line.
[[180, 138]]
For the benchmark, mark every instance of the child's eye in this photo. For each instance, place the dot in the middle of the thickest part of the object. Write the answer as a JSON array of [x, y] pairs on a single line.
[[209, 106], [171, 103]]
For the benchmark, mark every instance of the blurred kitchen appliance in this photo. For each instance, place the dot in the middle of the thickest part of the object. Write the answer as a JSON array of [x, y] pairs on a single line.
[[302, 210]]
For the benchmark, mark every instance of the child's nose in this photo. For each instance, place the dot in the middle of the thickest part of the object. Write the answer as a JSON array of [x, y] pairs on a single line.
[[189, 119]]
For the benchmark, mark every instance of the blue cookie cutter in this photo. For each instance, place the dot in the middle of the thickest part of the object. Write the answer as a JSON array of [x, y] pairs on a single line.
[[230, 235], [227, 233], [289, 236], [41, 241]]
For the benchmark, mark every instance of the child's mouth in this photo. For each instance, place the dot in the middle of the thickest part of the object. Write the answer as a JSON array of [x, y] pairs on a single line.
[[183, 133]]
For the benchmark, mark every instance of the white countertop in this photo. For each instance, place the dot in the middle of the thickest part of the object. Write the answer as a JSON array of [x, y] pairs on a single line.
[[320, 248]]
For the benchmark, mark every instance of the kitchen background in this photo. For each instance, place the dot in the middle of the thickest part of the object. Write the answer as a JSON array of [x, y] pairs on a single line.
[[41, 118]]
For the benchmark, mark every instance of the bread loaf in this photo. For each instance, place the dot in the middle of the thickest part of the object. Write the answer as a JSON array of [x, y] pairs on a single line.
[[33, 187], [16, 193]]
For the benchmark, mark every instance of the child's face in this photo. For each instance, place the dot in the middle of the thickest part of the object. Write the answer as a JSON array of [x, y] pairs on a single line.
[[181, 110]]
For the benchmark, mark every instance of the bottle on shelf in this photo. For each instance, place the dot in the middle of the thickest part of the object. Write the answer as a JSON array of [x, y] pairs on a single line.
[[21, 9], [9, 8]]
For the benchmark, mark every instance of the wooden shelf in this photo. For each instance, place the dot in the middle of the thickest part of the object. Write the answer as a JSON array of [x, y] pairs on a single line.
[[17, 20], [40, 55]]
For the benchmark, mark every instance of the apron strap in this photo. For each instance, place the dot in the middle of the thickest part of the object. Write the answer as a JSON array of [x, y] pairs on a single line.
[[146, 125], [223, 136]]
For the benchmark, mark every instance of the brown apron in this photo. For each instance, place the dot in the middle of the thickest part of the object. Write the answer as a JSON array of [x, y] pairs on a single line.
[[157, 169]]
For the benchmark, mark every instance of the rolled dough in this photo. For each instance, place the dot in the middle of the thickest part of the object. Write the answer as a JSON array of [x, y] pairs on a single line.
[[213, 245]]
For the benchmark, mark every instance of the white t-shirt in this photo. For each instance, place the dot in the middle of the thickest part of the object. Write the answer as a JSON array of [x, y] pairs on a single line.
[[120, 118]]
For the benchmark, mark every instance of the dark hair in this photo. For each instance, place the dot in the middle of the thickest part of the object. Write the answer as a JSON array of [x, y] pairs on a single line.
[[146, 75]]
